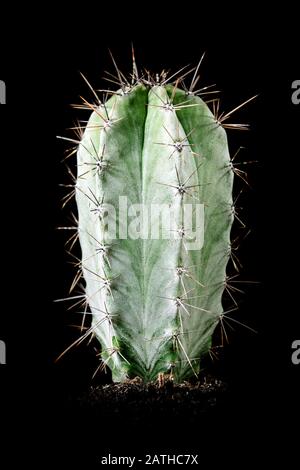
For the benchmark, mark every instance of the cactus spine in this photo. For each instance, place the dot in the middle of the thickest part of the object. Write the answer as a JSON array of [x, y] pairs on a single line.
[[155, 302]]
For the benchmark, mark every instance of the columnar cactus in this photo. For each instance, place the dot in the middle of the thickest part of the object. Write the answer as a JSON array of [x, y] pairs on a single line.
[[155, 300]]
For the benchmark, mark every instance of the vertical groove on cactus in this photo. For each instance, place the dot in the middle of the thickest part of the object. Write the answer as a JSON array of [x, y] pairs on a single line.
[[153, 149]]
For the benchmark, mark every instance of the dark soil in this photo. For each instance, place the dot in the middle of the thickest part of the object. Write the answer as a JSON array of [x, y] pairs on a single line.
[[136, 418], [137, 401]]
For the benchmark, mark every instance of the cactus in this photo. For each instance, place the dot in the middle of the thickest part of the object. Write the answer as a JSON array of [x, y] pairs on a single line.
[[154, 302]]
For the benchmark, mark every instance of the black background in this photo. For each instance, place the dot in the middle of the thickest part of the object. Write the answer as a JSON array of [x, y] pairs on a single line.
[[246, 54]]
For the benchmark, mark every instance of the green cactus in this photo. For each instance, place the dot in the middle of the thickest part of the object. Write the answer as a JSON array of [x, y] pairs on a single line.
[[154, 302]]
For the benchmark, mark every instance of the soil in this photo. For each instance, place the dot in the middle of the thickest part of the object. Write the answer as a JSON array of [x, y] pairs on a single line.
[[136, 401], [136, 418]]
